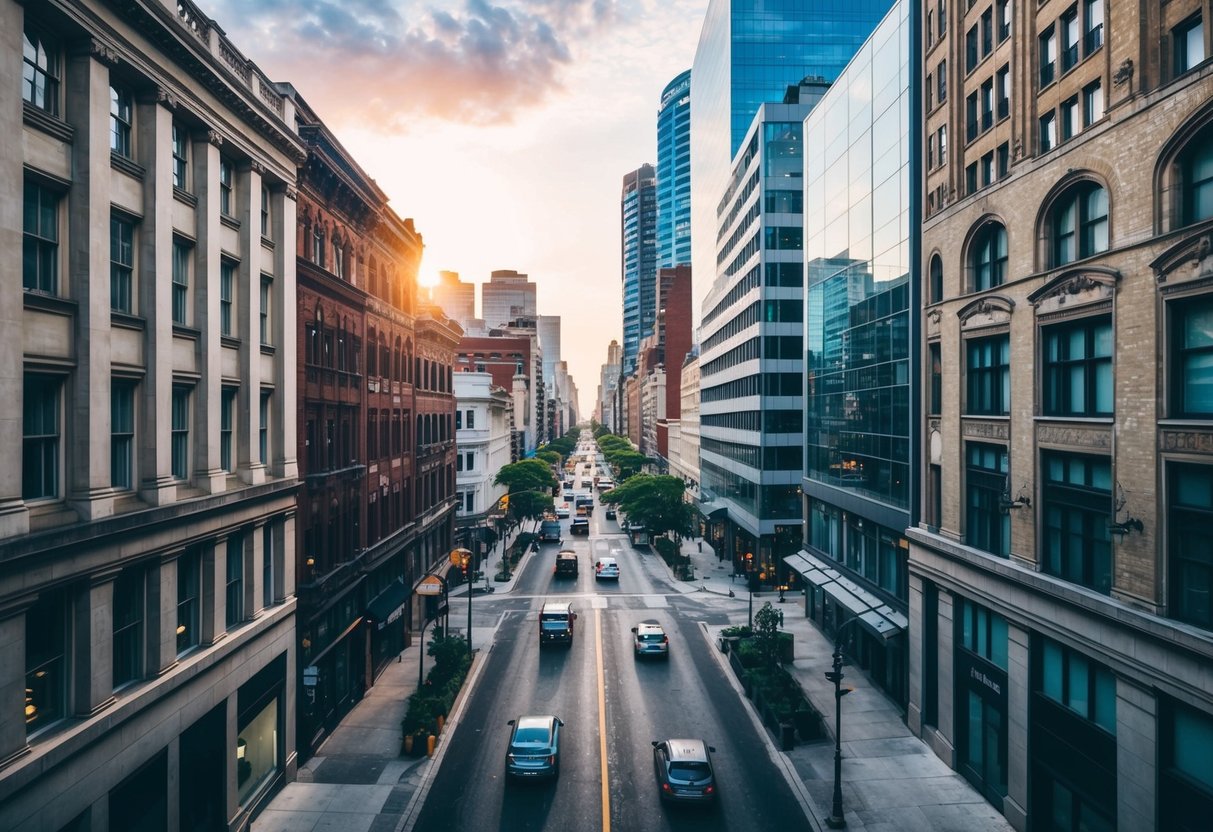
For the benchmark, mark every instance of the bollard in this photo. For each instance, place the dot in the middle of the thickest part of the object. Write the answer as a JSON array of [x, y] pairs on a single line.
[[430, 741]]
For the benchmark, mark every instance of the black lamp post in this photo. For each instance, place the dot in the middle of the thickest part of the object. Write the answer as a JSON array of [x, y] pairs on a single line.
[[464, 559], [836, 819]]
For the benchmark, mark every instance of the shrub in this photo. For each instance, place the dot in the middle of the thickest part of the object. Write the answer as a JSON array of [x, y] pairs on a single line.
[[737, 630]]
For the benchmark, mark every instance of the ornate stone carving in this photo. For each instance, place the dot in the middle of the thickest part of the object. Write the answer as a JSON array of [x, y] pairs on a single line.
[[986, 430], [292, 193], [1091, 284], [1073, 436], [102, 52], [256, 167], [986, 311], [1123, 73], [1195, 441], [933, 316], [214, 137], [1193, 250]]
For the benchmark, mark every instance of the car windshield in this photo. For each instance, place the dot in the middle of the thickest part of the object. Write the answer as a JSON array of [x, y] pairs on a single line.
[[652, 637], [553, 617], [688, 771]]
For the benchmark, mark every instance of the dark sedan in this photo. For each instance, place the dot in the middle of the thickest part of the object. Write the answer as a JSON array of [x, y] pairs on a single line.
[[534, 750]]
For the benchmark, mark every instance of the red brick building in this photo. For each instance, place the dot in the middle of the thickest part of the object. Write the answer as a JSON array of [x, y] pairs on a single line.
[[673, 331]]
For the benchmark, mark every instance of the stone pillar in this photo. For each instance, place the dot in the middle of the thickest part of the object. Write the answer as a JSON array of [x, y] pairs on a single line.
[[213, 612], [173, 783], [204, 291], [87, 422], [231, 735], [284, 566], [161, 625], [283, 313], [251, 467], [14, 517], [942, 738], [915, 705], [254, 561], [154, 292], [93, 644], [1136, 756], [1019, 692], [12, 677]]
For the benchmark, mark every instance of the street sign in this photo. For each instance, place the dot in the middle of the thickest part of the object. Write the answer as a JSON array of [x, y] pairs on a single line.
[[430, 586]]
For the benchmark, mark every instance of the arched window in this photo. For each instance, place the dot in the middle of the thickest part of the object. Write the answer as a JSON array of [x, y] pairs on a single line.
[[398, 362], [372, 284], [936, 283], [1079, 223], [1196, 168], [385, 358], [408, 360], [989, 257], [372, 355], [318, 244]]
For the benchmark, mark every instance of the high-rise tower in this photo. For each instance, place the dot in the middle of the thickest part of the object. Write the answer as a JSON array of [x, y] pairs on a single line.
[[674, 173], [638, 215]]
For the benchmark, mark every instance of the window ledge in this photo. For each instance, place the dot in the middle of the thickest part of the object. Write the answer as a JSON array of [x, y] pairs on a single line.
[[187, 331], [52, 125], [267, 242], [49, 303], [1085, 420], [986, 417], [185, 196], [126, 320], [1187, 422], [268, 349], [230, 222], [229, 341], [126, 165]]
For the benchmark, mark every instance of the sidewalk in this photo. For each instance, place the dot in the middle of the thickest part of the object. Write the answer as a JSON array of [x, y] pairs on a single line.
[[891, 780]]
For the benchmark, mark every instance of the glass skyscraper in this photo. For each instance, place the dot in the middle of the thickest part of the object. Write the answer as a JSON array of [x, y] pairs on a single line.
[[749, 52], [638, 216], [674, 173]]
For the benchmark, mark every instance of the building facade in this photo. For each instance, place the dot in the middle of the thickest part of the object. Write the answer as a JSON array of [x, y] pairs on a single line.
[[507, 296], [147, 512], [482, 436], [743, 60], [684, 448], [1060, 577], [673, 330], [751, 355], [860, 231], [456, 299], [511, 362], [638, 224], [674, 173]]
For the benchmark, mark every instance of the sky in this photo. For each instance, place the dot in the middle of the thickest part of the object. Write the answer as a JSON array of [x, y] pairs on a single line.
[[502, 127]]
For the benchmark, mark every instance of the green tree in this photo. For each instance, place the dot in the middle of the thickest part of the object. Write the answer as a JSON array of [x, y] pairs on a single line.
[[550, 457], [529, 505], [527, 475], [767, 622], [655, 502]]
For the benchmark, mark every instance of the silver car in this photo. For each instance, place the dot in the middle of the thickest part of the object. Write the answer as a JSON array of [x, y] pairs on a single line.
[[648, 639], [684, 771]]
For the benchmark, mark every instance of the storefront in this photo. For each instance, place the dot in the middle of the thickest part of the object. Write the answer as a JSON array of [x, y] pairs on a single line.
[[385, 616], [981, 698], [260, 750], [333, 655]]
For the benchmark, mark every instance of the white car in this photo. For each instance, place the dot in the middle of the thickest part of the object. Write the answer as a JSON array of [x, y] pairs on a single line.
[[606, 569], [562, 511]]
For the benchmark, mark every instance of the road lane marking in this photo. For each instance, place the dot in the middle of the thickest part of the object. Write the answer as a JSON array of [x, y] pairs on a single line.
[[602, 736]]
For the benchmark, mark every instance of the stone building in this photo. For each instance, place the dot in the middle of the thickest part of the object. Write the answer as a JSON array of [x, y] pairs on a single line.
[[147, 516], [1060, 617]]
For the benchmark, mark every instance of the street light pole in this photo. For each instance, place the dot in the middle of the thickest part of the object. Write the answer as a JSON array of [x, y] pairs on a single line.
[[836, 819]]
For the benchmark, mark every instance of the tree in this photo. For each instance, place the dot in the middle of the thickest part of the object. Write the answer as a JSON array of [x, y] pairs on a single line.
[[527, 475], [767, 622], [655, 502], [529, 505], [550, 457]]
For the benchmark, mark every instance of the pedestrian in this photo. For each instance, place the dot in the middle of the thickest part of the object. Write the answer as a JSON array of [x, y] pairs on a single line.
[[701, 545]]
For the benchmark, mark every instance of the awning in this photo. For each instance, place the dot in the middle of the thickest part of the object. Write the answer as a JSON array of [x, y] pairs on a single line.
[[845, 599], [809, 568], [388, 605], [879, 625], [713, 510]]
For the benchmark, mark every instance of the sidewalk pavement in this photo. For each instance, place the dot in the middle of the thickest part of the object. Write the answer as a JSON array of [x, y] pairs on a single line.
[[891, 780]]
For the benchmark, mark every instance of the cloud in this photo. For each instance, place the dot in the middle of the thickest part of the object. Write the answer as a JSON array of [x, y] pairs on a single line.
[[385, 63]]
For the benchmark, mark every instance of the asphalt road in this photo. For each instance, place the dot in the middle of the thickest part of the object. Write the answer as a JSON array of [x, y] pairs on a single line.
[[598, 682]]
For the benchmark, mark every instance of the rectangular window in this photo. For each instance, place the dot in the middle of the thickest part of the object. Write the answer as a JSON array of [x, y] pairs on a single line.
[[122, 435], [943, 144], [983, 632], [1077, 502], [1092, 96], [265, 211], [1003, 91], [458, 420], [189, 584], [1004, 159], [943, 17], [227, 424], [471, 420], [180, 450], [267, 292], [971, 52], [227, 284], [1078, 368], [263, 438], [987, 32], [987, 168], [1048, 57], [128, 627], [120, 122], [989, 376], [122, 262], [1069, 118], [1190, 543], [1188, 743], [971, 179], [987, 105], [971, 117], [40, 73], [930, 92], [225, 188], [1192, 358], [181, 283], [1092, 25], [1004, 20], [1189, 40], [987, 523], [41, 436], [941, 82], [180, 157], [1069, 40], [268, 562], [1073, 681], [1048, 132], [936, 370], [235, 580], [40, 240], [46, 670]]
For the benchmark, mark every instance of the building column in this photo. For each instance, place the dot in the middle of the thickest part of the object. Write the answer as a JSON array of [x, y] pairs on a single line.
[[1136, 756], [204, 291], [14, 516], [284, 426], [12, 678], [250, 466], [87, 410], [1019, 692], [231, 736], [154, 292], [942, 738], [213, 612], [915, 705], [254, 563], [172, 797], [93, 644], [161, 626], [284, 564]]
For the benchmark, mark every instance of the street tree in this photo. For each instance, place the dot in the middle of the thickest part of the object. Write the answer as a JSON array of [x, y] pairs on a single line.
[[767, 622], [527, 475], [529, 505], [655, 502]]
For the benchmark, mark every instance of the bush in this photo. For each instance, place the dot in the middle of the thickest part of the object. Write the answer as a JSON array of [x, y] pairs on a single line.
[[737, 631], [437, 696]]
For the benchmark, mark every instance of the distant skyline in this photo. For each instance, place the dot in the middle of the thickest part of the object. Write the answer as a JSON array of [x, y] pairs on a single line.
[[502, 128]]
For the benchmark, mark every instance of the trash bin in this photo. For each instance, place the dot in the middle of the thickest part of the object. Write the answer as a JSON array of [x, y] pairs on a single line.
[[787, 736]]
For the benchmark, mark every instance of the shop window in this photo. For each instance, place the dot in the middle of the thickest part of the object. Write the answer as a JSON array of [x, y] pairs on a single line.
[[46, 671], [1186, 762], [1073, 681]]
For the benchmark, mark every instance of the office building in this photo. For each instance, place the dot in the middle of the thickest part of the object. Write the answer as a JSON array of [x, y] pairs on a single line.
[[684, 441], [751, 360], [1060, 578], [456, 299], [548, 327], [515, 365], [608, 382], [860, 213], [672, 329], [674, 173], [749, 51], [147, 492], [507, 296], [638, 223]]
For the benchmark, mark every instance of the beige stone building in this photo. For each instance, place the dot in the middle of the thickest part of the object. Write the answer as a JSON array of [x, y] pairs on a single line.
[[147, 431], [1060, 583]]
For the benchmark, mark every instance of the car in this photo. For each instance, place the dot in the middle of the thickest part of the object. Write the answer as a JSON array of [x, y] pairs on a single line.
[[557, 623], [610, 513], [566, 564], [562, 511], [580, 525], [534, 748], [684, 770], [649, 639], [606, 568]]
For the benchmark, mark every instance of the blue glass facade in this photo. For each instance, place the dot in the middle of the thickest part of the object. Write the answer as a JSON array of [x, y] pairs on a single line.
[[674, 173], [638, 217], [749, 52]]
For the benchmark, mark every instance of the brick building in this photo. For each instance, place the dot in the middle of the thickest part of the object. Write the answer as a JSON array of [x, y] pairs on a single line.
[[1062, 634]]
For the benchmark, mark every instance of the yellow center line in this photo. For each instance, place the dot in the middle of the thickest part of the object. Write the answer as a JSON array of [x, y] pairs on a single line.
[[602, 735]]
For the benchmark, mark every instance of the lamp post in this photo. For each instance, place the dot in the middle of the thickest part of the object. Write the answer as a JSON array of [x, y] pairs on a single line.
[[463, 559], [836, 819], [749, 561]]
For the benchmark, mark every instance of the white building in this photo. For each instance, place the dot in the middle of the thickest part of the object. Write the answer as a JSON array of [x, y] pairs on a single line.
[[482, 438], [684, 441]]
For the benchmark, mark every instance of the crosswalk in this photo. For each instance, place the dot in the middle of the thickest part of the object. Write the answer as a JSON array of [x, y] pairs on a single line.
[[609, 601]]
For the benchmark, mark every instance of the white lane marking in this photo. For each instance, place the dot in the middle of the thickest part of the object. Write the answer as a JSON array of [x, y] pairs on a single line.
[[598, 602], [656, 602]]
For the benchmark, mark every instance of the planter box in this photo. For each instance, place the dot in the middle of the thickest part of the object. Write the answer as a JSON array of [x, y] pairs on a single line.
[[786, 649]]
